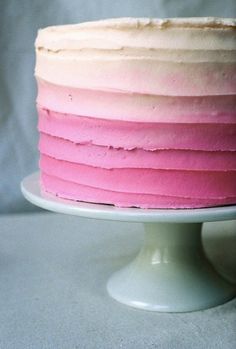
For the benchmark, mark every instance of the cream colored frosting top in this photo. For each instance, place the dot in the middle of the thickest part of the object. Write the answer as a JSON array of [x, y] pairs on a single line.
[[174, 33], [172, 57]]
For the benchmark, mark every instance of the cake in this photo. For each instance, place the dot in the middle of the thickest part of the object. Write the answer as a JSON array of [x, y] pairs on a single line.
[[139, 112]]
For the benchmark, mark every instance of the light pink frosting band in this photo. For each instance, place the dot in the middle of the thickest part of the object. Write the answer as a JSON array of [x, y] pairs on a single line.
[[135, 106]]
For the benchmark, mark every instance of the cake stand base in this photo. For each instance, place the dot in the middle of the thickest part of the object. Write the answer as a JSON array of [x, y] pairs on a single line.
[[171, 272]]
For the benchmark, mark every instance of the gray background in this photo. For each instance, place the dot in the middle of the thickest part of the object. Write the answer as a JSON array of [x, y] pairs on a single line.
[[19, 22]]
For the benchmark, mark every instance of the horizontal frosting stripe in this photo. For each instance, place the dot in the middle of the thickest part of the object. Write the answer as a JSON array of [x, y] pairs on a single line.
[[200, 184], [107, 157], [74, 191], [161, 55], [136, 107], [131, 135], [140, 75]]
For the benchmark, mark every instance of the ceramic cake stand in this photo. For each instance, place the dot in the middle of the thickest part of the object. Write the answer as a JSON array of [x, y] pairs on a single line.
[[171, 272]]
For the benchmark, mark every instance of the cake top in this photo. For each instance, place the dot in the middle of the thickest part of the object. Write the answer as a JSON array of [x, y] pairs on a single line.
[[160, 23], [182, 33], [89, 55]]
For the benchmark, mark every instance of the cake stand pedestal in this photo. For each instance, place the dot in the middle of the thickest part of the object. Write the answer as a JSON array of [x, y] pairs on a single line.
[[171, 272]]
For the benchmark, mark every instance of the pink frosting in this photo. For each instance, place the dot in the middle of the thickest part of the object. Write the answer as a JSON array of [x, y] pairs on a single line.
[[136, 106], [181, 183], [149, 122], [131, 135], [107, 157], [74, 191]]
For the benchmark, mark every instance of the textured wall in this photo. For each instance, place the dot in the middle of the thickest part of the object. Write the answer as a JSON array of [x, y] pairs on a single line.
[[19, 22]]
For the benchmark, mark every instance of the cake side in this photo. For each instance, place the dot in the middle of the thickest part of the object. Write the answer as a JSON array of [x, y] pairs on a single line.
[[142, 109]]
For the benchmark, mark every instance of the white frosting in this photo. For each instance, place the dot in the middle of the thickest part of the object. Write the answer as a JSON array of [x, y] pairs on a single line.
[[179, 56], [176, 33]]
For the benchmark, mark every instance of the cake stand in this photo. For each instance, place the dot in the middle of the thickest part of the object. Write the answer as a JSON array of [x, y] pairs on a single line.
[[171, 272]]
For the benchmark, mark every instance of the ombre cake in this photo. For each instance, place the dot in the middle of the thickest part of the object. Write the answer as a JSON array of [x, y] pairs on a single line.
[[139, 112]]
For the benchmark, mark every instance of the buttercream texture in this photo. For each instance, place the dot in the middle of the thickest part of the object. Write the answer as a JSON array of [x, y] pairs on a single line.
[[139, 112]]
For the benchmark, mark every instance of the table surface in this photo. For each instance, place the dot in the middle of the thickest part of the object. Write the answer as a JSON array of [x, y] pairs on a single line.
[[53, 274]]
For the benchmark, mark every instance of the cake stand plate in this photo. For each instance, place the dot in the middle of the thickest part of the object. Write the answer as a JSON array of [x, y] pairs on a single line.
[[171, 272]]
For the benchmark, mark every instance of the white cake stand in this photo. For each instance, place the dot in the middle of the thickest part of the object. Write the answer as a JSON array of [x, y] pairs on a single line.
[[171, 272]]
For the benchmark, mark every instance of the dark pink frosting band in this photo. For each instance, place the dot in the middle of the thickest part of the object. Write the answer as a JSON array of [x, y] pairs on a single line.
[[191, 184], [74, 191]]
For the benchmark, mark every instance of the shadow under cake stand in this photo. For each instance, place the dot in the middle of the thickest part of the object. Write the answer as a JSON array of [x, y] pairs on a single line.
[[171, 272]]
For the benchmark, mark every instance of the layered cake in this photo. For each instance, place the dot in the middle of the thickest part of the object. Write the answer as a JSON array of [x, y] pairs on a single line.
[[139, 112]]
